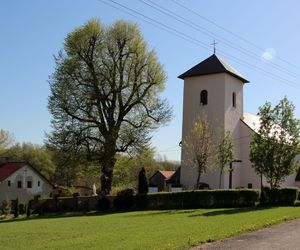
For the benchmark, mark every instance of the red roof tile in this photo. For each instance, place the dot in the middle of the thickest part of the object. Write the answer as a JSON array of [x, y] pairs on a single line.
[[167, 174], [7, 169]]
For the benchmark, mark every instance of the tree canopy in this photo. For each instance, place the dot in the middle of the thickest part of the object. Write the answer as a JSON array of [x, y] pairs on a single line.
[[35, 155], [225, 152], [274, 147], [105, 94]]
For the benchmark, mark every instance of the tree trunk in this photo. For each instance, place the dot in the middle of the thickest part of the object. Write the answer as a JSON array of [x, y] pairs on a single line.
[[107, 164], [198, 180], [220, 181]]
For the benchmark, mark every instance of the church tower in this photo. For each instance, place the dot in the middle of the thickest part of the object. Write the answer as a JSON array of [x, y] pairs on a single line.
[[215, 89]]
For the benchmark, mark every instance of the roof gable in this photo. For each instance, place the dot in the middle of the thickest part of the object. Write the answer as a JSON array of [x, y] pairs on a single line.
[[7, 169], [212, 65]]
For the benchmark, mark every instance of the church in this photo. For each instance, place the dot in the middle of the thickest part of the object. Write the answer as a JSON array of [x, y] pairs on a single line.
[[215, 89]]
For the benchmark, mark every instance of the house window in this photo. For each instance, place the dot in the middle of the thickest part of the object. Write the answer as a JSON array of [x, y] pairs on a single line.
[[29, 184], [233, 99], [8, 183], [19, 184], [249, 185], [39, 183], [203, 97]]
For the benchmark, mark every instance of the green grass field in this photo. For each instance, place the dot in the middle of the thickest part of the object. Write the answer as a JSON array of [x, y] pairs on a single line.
[[175, 229]]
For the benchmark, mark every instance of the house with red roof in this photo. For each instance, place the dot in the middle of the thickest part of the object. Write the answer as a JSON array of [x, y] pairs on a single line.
[[21, 180], [166, 180]]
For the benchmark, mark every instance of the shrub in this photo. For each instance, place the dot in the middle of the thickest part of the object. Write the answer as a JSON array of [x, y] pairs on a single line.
[[104, 204], [142, 182], [6, 207], [141, 201], [281, 196], [203, 199], [22, 208], [16, 208], [124, 199]]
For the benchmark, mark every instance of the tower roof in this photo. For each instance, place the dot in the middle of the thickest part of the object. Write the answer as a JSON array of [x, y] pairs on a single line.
[[212, 65]]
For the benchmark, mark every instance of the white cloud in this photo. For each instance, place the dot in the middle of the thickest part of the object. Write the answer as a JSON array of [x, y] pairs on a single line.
[[268, 55]]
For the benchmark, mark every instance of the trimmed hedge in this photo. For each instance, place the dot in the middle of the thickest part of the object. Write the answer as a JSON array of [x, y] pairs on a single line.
[[200, 199], [281, 196]]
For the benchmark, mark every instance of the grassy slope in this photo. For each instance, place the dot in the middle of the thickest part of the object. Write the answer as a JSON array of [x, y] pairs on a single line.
[[176, 229]]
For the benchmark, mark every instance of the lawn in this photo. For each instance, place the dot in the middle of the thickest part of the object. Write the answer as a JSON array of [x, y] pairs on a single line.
[[175, 229]]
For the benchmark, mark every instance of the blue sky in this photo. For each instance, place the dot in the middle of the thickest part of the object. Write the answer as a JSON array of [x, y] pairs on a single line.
[[33, 31]]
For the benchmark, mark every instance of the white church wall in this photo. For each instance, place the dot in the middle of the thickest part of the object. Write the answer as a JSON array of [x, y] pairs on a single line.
[[215, 86]]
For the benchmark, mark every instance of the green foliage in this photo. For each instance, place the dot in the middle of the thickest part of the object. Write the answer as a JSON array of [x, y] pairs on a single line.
[[225, 152], [105, 94], [124, 199], [281, 196], [6, 207], [203, 199], [35, 155], [143, 183], [274, 147], [127, 168]]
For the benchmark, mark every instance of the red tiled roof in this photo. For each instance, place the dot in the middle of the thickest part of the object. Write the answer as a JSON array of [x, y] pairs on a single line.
[[7, 169], [167, 174]]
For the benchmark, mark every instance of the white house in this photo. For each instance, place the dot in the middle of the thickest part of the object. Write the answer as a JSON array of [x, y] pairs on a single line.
[[215, 89], [22, 181]]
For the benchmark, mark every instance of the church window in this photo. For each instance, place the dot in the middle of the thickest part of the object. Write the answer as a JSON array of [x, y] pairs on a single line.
[[203, 97], [233, 99]]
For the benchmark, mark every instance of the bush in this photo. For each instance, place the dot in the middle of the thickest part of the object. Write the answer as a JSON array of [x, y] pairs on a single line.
[[281, 196], [16, 208], [6, 207], [141, 201], [203, 199], [124, 199], [104, 204]]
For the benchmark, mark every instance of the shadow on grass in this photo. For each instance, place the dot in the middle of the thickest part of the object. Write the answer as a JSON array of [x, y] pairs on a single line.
[[144, 213], [230, 211], [161, 212], [61, 215]]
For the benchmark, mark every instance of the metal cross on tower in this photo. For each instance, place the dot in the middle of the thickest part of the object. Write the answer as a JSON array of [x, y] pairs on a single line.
[[214, 44]]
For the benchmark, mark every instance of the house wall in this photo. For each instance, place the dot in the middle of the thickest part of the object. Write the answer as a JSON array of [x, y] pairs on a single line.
[[24, 194], [158, 180]]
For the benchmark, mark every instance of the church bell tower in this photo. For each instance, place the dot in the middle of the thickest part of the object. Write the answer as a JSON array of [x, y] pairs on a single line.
[[215, 89]]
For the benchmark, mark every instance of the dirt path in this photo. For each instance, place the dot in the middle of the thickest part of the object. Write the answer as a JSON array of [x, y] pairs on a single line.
[[283, 236]]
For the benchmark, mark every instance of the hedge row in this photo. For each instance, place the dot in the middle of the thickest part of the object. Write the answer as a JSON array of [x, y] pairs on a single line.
[[199, 199], [279, 196]]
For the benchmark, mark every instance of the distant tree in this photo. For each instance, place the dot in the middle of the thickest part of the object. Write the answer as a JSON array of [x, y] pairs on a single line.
[[127, 167], [225, 152], [143, 183], [105, 94], [199, 147], [6, 139], [35, 155], [276, 144]]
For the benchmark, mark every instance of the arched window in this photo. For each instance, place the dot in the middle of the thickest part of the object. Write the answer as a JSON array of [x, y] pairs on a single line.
[[233, 99], [203, 97]]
